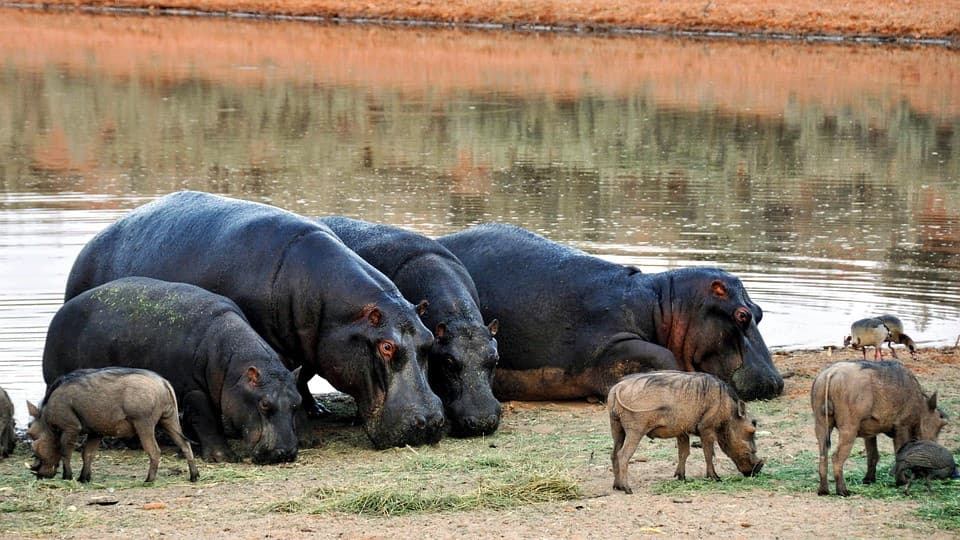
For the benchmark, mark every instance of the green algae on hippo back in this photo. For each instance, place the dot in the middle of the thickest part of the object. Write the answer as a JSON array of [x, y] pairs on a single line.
[[316, 303]]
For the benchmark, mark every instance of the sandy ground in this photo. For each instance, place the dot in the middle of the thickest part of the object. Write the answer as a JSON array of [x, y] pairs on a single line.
[[899, 19], [236, 510]]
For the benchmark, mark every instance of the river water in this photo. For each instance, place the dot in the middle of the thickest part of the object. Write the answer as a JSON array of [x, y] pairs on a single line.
[[826, 176]]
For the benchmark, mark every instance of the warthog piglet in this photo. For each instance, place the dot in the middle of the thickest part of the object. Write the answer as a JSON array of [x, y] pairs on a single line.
[[923, 459], [677, 404], [115, 402]]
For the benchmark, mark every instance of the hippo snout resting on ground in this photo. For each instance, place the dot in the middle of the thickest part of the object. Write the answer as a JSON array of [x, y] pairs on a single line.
[[228, 381], [464, 351], [318, 304], [113, 402], [571, 324]]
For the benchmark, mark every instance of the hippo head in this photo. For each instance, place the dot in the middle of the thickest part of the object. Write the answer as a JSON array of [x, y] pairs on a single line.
[[736, 439], [712, 327], [383, 366], [462, 361], [46, 445], [260, 405]]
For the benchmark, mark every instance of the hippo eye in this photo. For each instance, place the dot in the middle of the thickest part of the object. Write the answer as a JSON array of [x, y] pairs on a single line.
[[742, 315], [386, 348], [265, 405]]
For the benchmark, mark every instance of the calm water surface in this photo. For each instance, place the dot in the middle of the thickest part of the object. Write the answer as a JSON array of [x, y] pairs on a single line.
[[826, 177]]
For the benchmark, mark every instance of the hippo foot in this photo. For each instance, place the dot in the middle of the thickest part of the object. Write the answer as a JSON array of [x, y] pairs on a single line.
[[219, 456]]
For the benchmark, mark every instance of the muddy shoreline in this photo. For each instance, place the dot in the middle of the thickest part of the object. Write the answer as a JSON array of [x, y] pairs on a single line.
[[925, 23]]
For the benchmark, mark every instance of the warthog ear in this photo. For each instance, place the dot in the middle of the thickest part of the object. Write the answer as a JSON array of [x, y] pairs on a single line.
[[253, 376], [718, 289], [422, 307], [932, 402], [494, 327], [33, 410], [741, 408]]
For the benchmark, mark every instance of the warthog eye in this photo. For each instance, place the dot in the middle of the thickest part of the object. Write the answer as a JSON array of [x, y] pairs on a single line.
[[386, 349]]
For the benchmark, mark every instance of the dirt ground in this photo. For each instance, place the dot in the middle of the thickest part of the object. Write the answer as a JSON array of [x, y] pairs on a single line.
[[237, 506], [911, 19]]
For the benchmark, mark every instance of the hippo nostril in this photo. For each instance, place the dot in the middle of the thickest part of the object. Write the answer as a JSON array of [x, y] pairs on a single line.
[[420, 421]]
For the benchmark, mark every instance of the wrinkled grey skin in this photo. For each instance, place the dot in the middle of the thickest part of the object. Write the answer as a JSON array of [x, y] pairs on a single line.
[[113, 402], [923, 459], [572, 325], [229, 382], [316, 303], [8, 439], [464, 352], [865, 399], [669, 404]]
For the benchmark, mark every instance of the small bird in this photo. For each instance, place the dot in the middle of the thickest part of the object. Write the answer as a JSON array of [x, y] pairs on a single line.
[[865, 333], [897, 336]]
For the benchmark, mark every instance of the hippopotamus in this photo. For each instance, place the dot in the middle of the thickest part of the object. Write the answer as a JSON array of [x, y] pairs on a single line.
[[316, 302], [227, 379], [464, 351], [572, 324]]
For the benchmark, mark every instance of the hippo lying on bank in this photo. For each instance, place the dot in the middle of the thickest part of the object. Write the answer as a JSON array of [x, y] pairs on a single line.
[[114, 402], [318, 304], [8, 439], [865, 399], [227, 379], [571, 325], [464, 351], [677, 404]]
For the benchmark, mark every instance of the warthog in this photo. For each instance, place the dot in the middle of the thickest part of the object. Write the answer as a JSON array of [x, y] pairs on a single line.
[[115, 402], [923, 459], [865, 399], [677, 404], [8, 439]]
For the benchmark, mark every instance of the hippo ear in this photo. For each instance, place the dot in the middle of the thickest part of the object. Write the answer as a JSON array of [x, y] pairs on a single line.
[[932, 402], [440, 331], [33, 410], [374, 317], [494, 327], [422, 307], [718, 289], [253, 376]]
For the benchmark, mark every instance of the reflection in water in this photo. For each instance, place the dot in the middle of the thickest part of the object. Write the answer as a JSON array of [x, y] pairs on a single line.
[[833, 194]]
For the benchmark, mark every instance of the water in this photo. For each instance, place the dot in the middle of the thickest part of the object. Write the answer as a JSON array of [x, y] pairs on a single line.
[[827, 177]]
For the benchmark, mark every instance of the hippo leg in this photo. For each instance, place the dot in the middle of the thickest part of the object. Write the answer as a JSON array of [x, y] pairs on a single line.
[[840, 457], [309, 403], [707, 440], [67, 441], [171, 425], [631, 356], [683, 451], [199, 416], [873, 456], [89, 450]]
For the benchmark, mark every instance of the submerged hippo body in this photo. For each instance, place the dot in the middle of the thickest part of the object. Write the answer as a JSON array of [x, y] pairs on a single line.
[[318, 304], [227, 379], [464, 351], [571, 324]]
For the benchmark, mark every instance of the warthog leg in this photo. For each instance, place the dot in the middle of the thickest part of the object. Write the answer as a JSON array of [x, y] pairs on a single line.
[[89, 450], [683, 451]]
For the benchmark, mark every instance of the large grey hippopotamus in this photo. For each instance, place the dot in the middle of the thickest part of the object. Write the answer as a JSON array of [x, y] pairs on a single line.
[[464, 351], [316, 302], [572, 325], [228, 381]]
